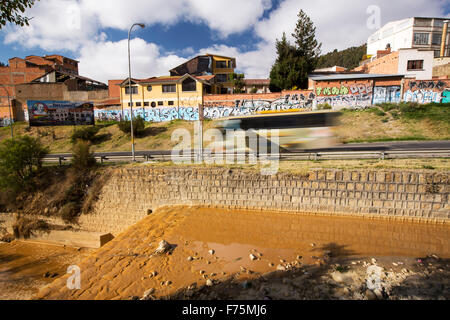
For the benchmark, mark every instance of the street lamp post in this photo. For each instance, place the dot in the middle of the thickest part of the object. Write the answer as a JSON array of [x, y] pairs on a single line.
[[9, 106], [129, 87]]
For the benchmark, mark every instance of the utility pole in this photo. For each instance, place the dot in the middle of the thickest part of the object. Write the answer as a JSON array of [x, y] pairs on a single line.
[[129, 87]]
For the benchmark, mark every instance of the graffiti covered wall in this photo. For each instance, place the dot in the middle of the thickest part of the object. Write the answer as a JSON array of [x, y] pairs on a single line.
[[345, 95], [427, 91], [217, 106]]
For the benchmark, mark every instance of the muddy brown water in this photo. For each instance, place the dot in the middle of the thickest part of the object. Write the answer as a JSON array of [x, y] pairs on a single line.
[[121, 268]]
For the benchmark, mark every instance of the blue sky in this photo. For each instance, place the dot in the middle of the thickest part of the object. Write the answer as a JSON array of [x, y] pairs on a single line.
[[95, 31]]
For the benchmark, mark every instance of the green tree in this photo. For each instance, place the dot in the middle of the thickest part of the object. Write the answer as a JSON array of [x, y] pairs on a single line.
[[238, 82], [305, 39], [12, 11], [295, 62], [288, 70], [348, 58], [83, 158], [20, 161]]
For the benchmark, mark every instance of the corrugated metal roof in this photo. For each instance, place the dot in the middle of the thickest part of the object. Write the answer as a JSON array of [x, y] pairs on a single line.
[[352, 76]]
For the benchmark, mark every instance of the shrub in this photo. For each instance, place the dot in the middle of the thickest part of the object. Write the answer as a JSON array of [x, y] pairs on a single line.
[[25, 227], [20, 161], [395, 115], [82, 156], [385, 120], [138, 126], [69, 212], [85, 134]]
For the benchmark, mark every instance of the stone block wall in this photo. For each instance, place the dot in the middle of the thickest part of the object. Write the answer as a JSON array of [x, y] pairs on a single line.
[[131, 192]]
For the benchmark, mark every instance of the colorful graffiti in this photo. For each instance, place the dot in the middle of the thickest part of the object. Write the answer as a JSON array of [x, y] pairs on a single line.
[[150, 115], [386, 94], [427, 92], [356, 95]]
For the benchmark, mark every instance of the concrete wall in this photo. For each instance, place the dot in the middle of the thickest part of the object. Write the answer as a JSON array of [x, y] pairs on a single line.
[[414, 54], [132, 191]]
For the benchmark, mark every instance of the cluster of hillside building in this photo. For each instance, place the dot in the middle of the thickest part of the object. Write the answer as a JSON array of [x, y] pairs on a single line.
[[401, 52]]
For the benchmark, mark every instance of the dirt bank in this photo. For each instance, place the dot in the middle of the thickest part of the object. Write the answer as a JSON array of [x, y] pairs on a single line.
[[252, 255], [25, 267]]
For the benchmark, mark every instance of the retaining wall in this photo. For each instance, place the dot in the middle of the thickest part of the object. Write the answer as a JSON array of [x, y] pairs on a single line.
[[131, 192]]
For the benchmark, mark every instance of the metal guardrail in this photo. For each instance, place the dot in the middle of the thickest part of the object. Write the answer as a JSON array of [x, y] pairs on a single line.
[[193, 156]]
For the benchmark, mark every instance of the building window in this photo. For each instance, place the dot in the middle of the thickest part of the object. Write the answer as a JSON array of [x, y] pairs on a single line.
[[437, 53], [189, 85], [421, 38], [153, 104], [171, 103], [160, 103], [138, 104], [221, 64], [415, 64], [130, 104], [134, 90], [222, 77], [436, 39], [169, 88], [149, 88], [146, 104]]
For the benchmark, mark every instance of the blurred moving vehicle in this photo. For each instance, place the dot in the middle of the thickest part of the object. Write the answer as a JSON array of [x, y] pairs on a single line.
[[297, 130]]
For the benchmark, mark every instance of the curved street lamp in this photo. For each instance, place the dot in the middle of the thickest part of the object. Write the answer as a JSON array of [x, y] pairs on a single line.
[[129, 87], [9, 105]]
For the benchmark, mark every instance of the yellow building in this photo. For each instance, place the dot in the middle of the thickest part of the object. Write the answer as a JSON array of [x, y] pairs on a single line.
[[166, 91], [220, 67]]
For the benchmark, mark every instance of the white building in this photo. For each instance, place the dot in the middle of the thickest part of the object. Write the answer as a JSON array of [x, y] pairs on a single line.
[[411, 33]]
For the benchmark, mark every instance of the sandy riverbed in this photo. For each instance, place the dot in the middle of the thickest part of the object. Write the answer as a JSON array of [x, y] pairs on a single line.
[[322, 258]]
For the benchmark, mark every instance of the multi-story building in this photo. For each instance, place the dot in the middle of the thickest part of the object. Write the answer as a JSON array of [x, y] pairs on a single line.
[[20, 71], [412, 63], [166, 91], [412, 33], [210, 64]]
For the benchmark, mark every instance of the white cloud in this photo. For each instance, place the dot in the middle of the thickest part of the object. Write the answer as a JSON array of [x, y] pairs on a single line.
[[55, 25], [341, 24], [108, 60], [76, 26]]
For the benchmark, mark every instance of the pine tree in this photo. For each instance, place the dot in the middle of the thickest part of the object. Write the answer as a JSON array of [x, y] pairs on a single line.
[[295, 62], [305, 37]]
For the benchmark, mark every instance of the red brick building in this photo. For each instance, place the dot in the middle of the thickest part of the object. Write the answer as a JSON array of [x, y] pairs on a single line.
[[20, 71]]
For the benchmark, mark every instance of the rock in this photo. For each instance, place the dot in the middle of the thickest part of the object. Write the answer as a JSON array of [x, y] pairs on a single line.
[[299, 257], [190, 259], [211, 252], [168, 283], [192, 286], [271, 265], [46, 210], [209, 283], [312, 244], [378, 294], [47, 275], [213, 274], [283, 261], [202, 272], [394, 264], [163, 247], [153, 274], [253, 257], [348, 277], [374, 261], [281, 268], [208, 262], [370, 295], [149, 292], [353, 263]]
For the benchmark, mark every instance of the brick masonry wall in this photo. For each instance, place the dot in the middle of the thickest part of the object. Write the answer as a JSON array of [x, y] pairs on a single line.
[[132, 191]]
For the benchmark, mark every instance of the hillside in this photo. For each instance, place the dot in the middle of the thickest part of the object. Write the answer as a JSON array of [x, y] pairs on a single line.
[[348, 58], [386, 123]]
